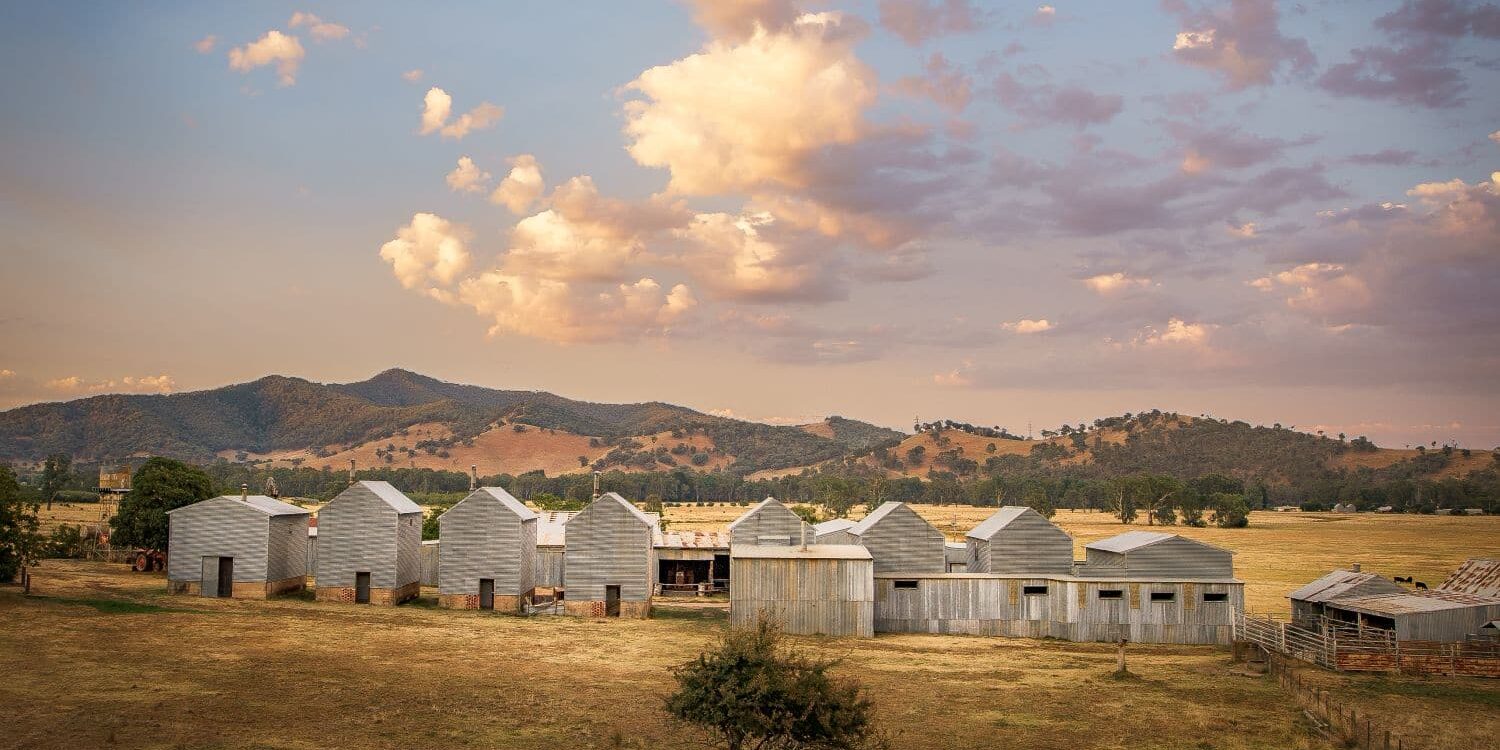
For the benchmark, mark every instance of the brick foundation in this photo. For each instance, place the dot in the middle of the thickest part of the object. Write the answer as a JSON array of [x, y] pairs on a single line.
[[382, 597], [509, 604], [244, 589], [631, 610]]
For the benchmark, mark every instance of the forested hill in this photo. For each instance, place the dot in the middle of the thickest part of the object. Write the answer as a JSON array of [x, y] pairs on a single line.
[[284, 414]]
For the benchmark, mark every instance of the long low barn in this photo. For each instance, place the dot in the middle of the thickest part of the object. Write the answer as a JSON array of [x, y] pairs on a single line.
[[820, 589], [1198, 611]]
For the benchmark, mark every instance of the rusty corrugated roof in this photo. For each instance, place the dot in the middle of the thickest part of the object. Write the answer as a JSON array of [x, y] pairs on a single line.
[[1413, 602], [692, 540], [1478, 575]]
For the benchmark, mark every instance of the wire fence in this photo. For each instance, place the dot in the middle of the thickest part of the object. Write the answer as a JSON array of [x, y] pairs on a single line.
[[1333, 715]]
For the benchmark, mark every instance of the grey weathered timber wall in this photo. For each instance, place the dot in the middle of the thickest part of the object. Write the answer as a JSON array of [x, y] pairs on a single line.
[[806, 596], [549, 567], [607, 544], [1070, 608], [482, 538]]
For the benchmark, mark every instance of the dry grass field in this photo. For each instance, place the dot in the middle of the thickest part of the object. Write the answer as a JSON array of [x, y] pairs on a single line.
[[100, 657], [1276, 554]]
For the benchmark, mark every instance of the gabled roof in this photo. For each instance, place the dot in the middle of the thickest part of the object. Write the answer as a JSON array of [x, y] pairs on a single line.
[[1001, 519], [762, 505], [810, 552], [637, 512], [1134, 540], [1478, 575], [267, 505], [391, 496], [504, 498], [1338, 583], [828, 527], [875, 517]]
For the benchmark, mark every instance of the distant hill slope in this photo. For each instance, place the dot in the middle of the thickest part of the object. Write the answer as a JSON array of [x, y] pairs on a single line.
[[291, 418]]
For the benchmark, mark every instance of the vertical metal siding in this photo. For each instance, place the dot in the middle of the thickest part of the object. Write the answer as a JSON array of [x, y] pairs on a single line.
[[808, 596], [1179, 557], [286, 551]]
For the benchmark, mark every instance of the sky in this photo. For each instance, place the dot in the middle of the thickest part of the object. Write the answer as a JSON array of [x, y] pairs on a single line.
[[1001, 214]]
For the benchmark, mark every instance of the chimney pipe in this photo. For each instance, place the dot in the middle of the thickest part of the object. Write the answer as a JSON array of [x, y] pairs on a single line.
[[596, 485], [1355, 568], [803, 528], [351, 471], [473, 477], [245, 492]]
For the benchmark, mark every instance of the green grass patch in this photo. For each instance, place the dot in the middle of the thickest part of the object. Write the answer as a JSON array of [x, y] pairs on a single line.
[[696, 614], [1485, 695], [112, 606]]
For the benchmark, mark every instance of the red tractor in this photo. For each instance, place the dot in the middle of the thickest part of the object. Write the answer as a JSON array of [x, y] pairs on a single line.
[[146, 560]]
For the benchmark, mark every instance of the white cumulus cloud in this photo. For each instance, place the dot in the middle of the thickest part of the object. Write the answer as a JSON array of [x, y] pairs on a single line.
[[437, 108], [275, 48]]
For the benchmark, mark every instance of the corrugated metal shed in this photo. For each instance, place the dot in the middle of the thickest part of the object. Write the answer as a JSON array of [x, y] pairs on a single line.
[[491, 536], [1017, 539], [820, 589], [1478, 575], [1433, 615], [769, 522], [1341, 583], [370, 528], [265, 539], [900, 540], [956, 554], [1147, 554], [609, 543], [835, 531]]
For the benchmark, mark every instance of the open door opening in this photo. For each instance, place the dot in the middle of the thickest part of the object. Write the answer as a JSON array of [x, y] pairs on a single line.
[[226, 577], [611, 601], [361, 588], [486, 593]]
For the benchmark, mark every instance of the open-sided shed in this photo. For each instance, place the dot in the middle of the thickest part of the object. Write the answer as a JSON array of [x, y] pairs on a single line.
[[487, 552], [1150, 554], [369, 546], [1309, 602], [820, 589], [769, 522], [609, 561], [1017, 539], [1422, 615], [247, 547], [900, 540]]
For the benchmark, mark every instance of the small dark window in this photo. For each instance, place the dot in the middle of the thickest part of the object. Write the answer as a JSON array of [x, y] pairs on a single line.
[[1215, 597], [906, 584], [1111, 594], [1163, 596], [1034, 590]]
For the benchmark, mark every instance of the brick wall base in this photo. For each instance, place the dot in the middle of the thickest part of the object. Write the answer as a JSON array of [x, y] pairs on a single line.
[[633, 610], [383, 597], [244, 589], [509, 604]]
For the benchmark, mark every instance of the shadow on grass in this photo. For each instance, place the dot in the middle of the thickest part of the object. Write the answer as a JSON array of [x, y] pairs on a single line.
[[695, 614], [113, 606]]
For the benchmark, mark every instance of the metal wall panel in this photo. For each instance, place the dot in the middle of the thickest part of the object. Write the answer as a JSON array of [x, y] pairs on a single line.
[[904, 542], [768, 523], [806, 596], [218, 527], [483, 538], [359, 532], [608, 544]]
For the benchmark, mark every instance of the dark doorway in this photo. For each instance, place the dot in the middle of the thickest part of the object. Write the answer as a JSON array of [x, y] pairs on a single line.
[[486, 593], [611, 601], [361, 588], [226, 577], [682, 576]]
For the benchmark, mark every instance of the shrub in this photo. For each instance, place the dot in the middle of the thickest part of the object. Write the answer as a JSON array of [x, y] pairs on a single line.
[[753, 692]]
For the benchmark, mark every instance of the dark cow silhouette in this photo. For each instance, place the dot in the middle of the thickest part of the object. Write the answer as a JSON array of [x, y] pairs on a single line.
[[1421, 585]]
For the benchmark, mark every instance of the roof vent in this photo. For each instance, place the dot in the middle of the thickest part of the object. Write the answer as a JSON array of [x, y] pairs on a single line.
[[244, 492], [1355, 568], [351, 471], [473, 477]]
